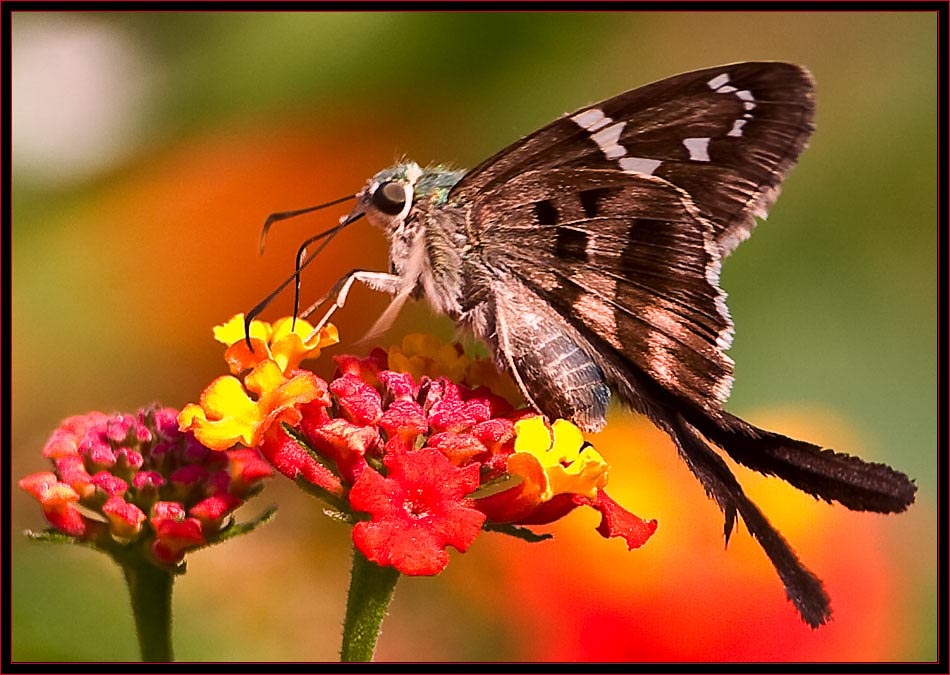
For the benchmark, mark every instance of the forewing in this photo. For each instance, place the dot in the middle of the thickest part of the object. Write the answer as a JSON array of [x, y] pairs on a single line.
[[727, 136], [625, 262]]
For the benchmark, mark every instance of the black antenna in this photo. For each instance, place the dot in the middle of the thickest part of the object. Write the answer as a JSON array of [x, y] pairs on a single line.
[[300, 265], [302, 251], [285, 215]]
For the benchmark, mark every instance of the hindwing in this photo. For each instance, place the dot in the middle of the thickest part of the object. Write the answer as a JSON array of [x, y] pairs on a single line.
[[624, 260], [548, 357]]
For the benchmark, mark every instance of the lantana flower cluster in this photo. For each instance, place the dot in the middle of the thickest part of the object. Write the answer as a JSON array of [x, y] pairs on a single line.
[[136, 483], [413, 446]]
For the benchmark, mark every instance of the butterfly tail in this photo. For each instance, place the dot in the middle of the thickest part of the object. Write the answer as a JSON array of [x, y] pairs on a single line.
[[822, 473], [802, 587]]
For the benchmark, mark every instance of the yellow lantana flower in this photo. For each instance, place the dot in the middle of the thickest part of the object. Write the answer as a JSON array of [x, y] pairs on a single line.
[[226, 413], [557, 459], [285, 342], [423, 354]]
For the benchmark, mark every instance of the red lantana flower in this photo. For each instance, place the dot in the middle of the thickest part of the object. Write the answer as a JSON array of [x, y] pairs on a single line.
[[417, 510], [413, 448]]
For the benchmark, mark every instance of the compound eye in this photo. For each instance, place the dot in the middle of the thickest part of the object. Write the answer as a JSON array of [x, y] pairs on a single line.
[[390, 198]]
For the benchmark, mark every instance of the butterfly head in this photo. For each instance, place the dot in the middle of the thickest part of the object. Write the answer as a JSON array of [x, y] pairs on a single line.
[[387, 197]]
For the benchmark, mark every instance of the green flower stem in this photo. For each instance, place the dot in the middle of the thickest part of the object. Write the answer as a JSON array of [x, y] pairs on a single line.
[[371, 589], [150, 589]]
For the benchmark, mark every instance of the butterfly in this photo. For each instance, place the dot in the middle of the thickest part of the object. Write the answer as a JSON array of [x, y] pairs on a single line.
[[587, 256]]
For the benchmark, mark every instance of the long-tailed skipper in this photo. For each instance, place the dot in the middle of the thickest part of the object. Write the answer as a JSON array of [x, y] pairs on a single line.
[[587, 257]]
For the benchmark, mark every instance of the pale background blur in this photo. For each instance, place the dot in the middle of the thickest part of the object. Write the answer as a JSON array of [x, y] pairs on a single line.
[[147, 150]]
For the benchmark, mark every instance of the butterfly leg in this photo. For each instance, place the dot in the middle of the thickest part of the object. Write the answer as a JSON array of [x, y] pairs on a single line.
[[377, 281]]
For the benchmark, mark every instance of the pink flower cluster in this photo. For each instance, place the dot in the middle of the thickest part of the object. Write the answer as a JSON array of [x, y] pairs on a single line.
[[135, 480]]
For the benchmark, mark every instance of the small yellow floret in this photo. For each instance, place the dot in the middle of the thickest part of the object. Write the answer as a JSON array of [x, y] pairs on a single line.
[[568, 464]]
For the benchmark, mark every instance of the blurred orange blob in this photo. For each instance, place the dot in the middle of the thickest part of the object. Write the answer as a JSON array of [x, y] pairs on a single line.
[[182, 227], [684, 596]]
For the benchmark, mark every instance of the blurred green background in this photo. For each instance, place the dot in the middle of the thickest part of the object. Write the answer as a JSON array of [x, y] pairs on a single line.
[[147, 150]]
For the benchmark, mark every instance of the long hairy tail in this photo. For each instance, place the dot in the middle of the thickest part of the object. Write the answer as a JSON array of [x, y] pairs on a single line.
[[802, 587], [822, 473]]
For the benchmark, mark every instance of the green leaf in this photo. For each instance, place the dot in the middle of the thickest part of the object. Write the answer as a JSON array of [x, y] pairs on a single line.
[[239, 529], [336, 508], [52, 536], [516, 531], [339, 516], [502, 483], [301, 440]]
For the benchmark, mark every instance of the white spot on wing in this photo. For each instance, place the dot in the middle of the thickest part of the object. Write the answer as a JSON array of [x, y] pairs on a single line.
[[639, 165], [718, 81], [606, 134], [748, 100], [698, 149], [608, 139], [718, 84], [591, 119]]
